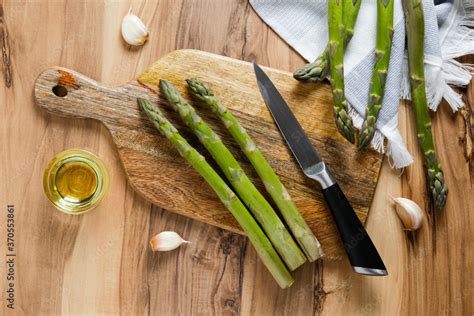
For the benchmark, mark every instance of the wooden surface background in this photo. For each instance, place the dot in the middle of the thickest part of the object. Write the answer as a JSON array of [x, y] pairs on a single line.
[[100, 263]]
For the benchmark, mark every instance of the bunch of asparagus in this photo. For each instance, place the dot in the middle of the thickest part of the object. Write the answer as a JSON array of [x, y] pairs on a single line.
[[260, 208], [279, 245], [261, 243], [342, 15], [303, 234]]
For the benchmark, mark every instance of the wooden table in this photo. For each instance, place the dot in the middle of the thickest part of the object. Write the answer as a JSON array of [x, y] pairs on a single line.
[[101, 263]]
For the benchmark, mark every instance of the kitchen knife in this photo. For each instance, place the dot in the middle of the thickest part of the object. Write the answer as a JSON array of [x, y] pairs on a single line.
[[362, 253]]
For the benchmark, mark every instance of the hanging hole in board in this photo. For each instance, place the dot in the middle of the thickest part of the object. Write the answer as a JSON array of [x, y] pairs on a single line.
[[60, 91]]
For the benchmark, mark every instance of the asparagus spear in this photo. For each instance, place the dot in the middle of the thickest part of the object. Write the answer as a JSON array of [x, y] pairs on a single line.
[[351, 10], [318, 69], [383, 47], [336, 54], [275, 188], [258, 239], [260, 208], [415, 35]]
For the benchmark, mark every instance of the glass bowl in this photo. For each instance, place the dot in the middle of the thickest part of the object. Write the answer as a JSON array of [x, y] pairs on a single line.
[[75, 181]]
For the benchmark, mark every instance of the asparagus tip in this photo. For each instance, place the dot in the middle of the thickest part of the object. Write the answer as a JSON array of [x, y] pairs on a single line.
[[143, 103], [163, 84], [198, 88], [313, 72], [365, 136], [348, 132], [439, 189]]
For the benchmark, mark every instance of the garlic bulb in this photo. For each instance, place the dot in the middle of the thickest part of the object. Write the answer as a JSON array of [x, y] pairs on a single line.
[[134, 32], [409, 212], [166, 241]]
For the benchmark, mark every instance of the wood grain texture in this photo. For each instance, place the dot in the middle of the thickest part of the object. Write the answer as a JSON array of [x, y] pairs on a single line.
[[100, 263], [155, 168]]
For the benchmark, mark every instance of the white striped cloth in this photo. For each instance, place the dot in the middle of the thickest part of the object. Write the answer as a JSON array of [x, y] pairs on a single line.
[[303, 25]]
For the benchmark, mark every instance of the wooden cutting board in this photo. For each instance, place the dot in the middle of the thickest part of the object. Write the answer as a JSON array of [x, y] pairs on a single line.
[[155, 169]]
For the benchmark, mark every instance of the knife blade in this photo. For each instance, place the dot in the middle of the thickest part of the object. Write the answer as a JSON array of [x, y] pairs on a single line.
[[361, 251]]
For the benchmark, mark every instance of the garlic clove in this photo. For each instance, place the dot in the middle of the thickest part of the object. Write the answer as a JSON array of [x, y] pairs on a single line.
[[134, 32], [409, 212], [166, 241]]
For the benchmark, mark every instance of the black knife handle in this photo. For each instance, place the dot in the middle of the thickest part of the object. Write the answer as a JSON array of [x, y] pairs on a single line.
[[362, 253]]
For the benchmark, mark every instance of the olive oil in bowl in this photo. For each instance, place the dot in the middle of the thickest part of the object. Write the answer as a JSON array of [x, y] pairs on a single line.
[[75, 181]]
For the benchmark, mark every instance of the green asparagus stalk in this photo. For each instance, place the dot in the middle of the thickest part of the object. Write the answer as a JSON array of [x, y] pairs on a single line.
[[258, 239], [383, 46], [350, 11], [318, 69], [258, 205], [336, 67], [415, 35], [275, 188]]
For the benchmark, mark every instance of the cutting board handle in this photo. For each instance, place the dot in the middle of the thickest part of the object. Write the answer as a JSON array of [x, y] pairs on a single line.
[[68, 93]]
